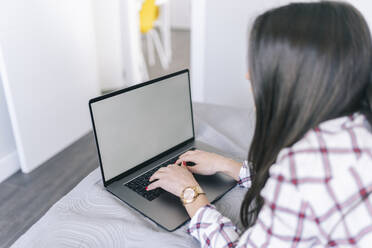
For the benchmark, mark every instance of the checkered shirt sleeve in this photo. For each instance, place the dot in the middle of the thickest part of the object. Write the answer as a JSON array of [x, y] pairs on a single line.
[[245, 176], [317, 195]]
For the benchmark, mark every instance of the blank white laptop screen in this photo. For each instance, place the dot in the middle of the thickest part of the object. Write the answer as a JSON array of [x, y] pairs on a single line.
[[135, 126]]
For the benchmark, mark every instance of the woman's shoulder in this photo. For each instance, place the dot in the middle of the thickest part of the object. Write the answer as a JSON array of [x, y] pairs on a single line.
[[328, 171], [326, 150]]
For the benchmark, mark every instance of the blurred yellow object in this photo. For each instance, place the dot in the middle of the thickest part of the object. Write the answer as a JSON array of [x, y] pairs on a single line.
[[148, 15]]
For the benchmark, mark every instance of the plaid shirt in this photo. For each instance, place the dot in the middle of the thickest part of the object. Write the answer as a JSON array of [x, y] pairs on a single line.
[[317, 194]]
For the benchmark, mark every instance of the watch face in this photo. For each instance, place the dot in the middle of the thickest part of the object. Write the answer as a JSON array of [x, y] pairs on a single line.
[[188, 194]]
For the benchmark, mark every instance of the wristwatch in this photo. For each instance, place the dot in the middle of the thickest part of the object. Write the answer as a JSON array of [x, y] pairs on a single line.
[[190, 193]]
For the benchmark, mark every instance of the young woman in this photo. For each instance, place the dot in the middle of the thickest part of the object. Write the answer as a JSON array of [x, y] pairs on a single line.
[[309, 175]]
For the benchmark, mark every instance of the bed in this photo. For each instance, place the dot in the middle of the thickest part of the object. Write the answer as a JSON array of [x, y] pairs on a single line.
[[89, 216]]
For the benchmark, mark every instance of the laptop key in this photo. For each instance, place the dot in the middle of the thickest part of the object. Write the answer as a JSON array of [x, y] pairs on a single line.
[[140, 183]]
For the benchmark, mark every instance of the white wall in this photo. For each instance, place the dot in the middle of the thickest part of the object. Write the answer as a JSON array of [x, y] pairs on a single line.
[[108, 43], [219, 43], [8, 153], [180, 16], [49, 71], [7, 143], [219, 49]]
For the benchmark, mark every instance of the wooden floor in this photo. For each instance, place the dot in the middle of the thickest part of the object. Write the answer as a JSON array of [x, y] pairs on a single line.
[[24, 198]]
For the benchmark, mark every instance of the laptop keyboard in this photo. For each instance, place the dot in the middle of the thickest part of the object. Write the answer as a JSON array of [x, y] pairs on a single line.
[[140, 183]]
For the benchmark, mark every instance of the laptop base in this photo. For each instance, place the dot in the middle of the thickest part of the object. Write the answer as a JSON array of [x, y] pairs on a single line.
[[167, 210]]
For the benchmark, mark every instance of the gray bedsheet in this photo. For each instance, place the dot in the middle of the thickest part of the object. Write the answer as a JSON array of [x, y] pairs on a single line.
[[89, 216]]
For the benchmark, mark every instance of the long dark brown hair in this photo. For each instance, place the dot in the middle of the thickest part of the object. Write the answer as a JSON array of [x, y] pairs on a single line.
[[308, 63]]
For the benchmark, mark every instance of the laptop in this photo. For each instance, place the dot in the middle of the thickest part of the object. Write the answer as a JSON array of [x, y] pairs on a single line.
[[142, 128]]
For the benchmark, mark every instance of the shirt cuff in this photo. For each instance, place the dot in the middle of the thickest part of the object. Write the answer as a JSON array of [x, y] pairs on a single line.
[[197, 221], [208, 226], [245, 176]]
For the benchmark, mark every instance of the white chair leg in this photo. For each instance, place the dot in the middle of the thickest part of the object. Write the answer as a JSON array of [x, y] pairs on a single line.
[[150, 50], [164, 61], [143, 67]]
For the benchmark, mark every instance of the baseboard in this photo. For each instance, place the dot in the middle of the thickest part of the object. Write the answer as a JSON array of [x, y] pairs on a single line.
[[9, 164]]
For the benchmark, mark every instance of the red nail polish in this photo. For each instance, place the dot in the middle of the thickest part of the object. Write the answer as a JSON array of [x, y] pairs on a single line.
[[146, 188], [183, 163]]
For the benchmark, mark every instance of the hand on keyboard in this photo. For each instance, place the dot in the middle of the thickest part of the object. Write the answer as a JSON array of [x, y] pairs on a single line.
[[140, 183]]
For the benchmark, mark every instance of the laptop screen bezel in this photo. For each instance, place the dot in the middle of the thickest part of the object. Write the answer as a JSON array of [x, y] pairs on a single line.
[[147, 162]]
